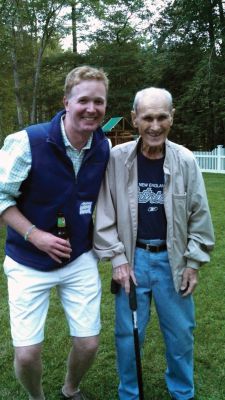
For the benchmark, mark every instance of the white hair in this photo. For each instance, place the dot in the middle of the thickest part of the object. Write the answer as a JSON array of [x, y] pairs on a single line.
[[152, 91]]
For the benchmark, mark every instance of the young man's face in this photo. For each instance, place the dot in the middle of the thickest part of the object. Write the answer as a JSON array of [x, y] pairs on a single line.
[[85, 107]]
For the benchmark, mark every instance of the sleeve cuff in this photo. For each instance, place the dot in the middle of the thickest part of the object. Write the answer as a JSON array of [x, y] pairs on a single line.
[[193, 264], [119, 260], [6, 204]]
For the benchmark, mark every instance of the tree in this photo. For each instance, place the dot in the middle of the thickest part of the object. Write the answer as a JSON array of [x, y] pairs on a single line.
[[123, 64], [55, 66], [123, 21], [199, 25], [181, 48], [28, 28], [82, 15]]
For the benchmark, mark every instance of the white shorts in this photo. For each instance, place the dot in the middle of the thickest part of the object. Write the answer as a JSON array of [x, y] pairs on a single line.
[[78, 286]]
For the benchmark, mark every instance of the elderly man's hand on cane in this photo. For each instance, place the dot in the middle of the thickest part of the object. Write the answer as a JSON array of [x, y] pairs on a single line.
[[122, 275]]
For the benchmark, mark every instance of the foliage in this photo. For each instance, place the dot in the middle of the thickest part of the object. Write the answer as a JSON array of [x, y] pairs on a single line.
[[200, 27], [55, 67], [101, 381], [27, 29], [120, 21], [123, 64], [178, 45]]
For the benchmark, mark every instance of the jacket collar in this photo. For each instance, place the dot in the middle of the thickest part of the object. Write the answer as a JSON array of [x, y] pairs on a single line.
[[168, 155], [55, 134], [134, 148], [132, 152]]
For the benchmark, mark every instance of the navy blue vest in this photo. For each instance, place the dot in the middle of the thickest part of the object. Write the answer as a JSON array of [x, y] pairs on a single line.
[[52, 187]]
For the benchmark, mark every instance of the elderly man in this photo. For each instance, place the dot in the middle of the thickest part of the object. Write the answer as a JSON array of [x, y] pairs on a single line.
[[154, 223], [50, 168]]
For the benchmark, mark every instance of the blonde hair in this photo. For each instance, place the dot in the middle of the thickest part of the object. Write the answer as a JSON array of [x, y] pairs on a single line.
[[85, 72]]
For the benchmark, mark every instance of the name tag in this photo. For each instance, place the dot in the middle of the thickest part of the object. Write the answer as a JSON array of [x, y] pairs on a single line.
[[85, 207]]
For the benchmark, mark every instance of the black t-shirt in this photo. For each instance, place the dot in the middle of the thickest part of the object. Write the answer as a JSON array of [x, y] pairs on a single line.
[[151, 213]]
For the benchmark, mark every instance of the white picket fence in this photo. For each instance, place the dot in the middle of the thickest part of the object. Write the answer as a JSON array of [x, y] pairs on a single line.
[[211, 161]]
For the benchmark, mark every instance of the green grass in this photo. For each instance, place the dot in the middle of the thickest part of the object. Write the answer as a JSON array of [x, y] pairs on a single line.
[[101, 381]]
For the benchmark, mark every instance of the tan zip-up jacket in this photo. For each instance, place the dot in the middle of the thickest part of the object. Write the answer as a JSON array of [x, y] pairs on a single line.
[[190, 235]]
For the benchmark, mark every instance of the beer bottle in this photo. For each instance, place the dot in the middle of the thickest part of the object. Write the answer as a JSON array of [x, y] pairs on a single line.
[[62, 231]]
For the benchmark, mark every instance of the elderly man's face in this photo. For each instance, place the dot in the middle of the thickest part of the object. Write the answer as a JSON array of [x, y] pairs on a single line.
[[153, 120]]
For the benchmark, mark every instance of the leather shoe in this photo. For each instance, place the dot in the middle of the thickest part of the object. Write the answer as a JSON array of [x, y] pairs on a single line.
[[76, 396]]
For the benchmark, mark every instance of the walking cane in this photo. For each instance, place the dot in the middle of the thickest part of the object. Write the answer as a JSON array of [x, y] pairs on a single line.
[[133, 306]]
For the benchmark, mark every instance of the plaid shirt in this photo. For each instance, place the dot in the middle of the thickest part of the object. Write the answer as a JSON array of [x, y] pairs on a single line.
[[16, 160]]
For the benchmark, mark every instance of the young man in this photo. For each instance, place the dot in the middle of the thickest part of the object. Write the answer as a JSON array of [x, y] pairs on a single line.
[[48, 168], [153, 222]]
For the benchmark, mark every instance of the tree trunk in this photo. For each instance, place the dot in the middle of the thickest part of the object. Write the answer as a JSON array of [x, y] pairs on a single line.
[[16, 81], [211, 32], [74, 26], [222, 26], [211, 26], [36, 81]]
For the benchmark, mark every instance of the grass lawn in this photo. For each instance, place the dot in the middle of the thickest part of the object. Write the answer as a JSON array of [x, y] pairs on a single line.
[[101, 381]]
